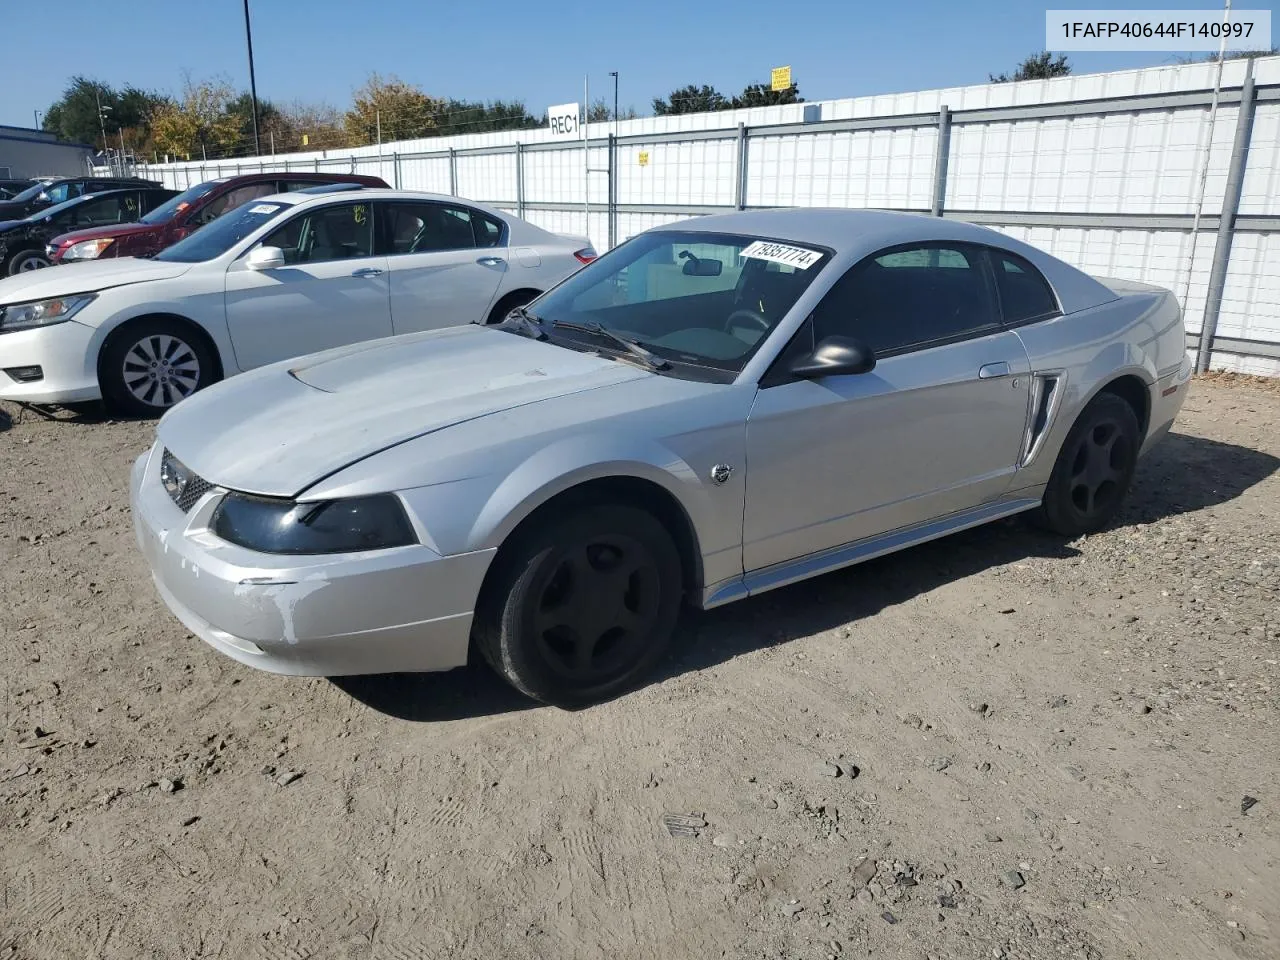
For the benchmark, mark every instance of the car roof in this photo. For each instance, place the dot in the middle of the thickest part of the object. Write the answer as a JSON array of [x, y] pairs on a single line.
[[378, 193], [854, 234]]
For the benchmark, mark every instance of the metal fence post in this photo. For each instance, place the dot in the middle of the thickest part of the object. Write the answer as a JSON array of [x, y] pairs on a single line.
[[740, 181], [520, 180], [613, 191], [395, 170], [453, 172], [317, 164], [940, 161], [1226, 222]]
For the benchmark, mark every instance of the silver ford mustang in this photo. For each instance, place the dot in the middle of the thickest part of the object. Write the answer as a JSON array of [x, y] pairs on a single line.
[[713, 409]]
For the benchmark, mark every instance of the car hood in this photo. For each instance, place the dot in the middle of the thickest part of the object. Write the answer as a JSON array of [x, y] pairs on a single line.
[[279, 430], [114, 230], [86, 277]]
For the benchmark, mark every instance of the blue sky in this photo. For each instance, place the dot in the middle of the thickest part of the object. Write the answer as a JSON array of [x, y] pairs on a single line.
[[320, 50]]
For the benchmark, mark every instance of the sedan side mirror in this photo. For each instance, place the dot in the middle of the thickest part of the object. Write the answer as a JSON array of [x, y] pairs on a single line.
[[834, 357], [265, 258]]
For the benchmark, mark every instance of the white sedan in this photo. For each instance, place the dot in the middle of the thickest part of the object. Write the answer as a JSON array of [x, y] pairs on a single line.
[[282, 276]]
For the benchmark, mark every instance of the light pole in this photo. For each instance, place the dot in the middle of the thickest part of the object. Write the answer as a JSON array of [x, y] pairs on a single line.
[[253, 86], [36, 114], [614, 74]]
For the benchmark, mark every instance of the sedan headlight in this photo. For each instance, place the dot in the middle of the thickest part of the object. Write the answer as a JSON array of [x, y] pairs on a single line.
[[88, 249], [327, 526], [42, 313]]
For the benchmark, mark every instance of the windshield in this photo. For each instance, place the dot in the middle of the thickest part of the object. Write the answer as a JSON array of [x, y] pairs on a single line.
[[57, 208], [175, 205], [223, 234], [30, 193], [706, 299]]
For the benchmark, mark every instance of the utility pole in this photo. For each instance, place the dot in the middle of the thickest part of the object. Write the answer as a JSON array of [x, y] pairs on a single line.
[[614, 74], [36, 114], [253, 86]]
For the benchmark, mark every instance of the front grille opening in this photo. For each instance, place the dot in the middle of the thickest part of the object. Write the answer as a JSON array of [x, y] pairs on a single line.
[[187, 493]]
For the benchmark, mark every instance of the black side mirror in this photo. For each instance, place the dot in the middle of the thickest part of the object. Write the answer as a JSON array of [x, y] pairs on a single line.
[[834, 357]]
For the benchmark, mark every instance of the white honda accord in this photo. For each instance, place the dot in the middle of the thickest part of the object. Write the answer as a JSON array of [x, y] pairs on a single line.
[[280, 277]]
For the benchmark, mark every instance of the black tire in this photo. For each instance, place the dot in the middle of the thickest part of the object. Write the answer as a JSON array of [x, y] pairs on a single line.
[[517, 298], [149, 365], [1094, 469], [582, 605], [25, 260]]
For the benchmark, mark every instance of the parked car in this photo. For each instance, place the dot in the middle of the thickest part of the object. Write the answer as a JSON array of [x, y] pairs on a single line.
[[22, 242], [48, 193], [278, 277], [187, 212], [11, 188], [713, 409]]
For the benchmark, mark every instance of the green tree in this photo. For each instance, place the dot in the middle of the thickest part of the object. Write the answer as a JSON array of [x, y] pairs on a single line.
[[691, 99], [1231, 55], [74, 115], [320, 123], [763, 95], [400, 110], [1038, 66], [466, 116]]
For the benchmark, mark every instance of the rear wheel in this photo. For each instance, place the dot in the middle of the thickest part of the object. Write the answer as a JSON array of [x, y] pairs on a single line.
[[25, 261], [1094, 468], [150, 365], [517, 298], [580, 607]]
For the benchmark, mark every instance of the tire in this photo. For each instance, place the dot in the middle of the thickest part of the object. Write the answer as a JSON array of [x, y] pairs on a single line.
[[1094, 469], [517, 298], [551, 618], [149, 365], [26, 260]]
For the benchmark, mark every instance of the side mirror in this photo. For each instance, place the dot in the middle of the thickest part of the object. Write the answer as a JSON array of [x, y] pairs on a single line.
[[265, 258], [834, 357]]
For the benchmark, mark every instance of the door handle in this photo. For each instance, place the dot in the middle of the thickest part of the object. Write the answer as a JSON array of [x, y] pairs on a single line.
[[989, 370], [367, 272], [491, 261]]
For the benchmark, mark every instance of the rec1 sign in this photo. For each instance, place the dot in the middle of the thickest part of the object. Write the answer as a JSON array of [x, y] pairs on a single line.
[[562, 121]]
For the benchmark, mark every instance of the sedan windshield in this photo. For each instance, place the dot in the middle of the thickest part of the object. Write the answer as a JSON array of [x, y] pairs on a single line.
[[174, 205], [223, 234], [30, 193], [705, 299]]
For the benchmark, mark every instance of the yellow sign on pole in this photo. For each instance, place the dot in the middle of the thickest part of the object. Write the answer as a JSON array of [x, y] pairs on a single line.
[[306, 139], [782, 78], [644, 158]]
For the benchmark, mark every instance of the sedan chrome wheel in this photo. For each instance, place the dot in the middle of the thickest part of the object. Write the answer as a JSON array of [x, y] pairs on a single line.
[[160, 370]]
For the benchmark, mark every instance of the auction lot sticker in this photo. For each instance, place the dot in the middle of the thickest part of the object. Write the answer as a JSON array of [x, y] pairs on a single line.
[[798, 257]]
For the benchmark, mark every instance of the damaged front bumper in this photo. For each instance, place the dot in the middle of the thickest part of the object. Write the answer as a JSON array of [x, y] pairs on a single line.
[[405, 609]]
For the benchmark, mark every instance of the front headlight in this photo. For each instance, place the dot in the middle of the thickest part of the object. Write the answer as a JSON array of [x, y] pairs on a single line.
[[88, 249], [42, 313], [327, 526]]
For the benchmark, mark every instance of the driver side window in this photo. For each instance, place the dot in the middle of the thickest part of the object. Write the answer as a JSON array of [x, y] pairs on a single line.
[[337, 232], [910, 298]]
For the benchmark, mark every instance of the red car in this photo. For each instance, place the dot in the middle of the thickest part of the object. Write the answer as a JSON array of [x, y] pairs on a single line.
[[185, 213]]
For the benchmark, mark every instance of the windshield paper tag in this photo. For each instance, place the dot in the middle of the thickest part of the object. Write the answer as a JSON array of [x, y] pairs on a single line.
[[264, 208], [797, 257]]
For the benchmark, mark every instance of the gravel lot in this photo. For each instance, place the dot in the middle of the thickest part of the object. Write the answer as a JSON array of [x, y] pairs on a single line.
[[1053, 745]]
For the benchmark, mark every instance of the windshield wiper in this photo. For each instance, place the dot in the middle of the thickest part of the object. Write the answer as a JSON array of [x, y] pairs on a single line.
[[650, 360], [531, 323]]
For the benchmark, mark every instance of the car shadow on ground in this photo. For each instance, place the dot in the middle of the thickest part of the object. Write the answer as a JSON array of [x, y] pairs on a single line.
[[1182, 474]]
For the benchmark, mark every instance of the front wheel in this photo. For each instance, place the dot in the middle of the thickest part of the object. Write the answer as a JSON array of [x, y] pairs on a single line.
[[1094, 468], [580, 607], [152, 364], [24, 261]]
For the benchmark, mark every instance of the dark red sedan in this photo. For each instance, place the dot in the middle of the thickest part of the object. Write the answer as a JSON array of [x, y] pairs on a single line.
[[185, 213]]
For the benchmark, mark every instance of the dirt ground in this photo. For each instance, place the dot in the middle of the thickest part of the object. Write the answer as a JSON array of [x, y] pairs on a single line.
[[1053, 745]]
